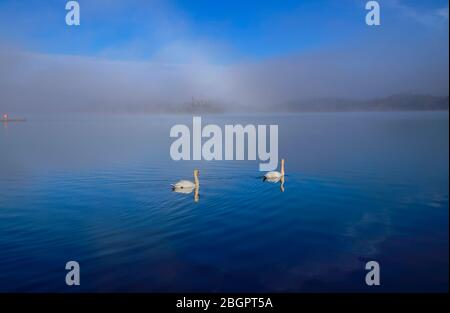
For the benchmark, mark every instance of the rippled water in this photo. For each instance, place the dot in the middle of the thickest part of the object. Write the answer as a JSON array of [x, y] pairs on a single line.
[[359, 187]]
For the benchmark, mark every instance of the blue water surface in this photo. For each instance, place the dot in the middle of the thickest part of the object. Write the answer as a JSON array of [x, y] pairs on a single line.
[[95, 189]]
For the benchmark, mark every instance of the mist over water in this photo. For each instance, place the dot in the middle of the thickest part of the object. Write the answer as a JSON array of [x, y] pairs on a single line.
[[96, 189], [68, 84]]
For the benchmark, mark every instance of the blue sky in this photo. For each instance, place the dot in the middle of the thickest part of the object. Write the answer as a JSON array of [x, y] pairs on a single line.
[[228, 31], [139, 54]]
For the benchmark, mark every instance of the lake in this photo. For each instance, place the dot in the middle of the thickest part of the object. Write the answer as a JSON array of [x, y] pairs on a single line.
[[96, 189]]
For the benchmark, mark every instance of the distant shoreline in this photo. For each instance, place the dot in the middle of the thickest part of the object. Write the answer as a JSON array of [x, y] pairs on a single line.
[[388, 104], [396, 103]]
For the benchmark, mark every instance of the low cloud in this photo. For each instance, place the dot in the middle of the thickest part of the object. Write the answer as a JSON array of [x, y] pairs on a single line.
[[37, 82], [173, 65]]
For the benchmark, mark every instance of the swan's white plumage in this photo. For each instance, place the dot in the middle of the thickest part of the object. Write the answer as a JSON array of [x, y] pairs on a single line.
[[187, 184], [274, 175], [184, 184]]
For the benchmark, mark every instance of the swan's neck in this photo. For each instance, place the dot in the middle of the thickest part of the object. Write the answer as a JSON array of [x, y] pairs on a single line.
[[196, 181], [282, 168]]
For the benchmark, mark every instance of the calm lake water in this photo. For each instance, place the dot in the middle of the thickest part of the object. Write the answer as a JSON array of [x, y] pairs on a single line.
[[359, 187]]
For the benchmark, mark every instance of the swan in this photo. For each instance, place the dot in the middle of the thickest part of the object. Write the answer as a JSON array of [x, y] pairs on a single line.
[[186, 184], [274, 176]]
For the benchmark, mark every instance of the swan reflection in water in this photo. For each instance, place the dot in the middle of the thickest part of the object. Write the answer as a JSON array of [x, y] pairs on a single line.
[[186, 187], [188, 191], [277, 180], [276, 177], [282, 184]]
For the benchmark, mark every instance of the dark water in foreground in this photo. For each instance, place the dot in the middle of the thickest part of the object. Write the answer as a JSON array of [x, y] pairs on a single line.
[[359, 187]]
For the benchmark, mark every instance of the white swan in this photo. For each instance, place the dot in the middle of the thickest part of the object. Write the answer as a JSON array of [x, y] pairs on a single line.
[[186, 184], [275, 176]]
